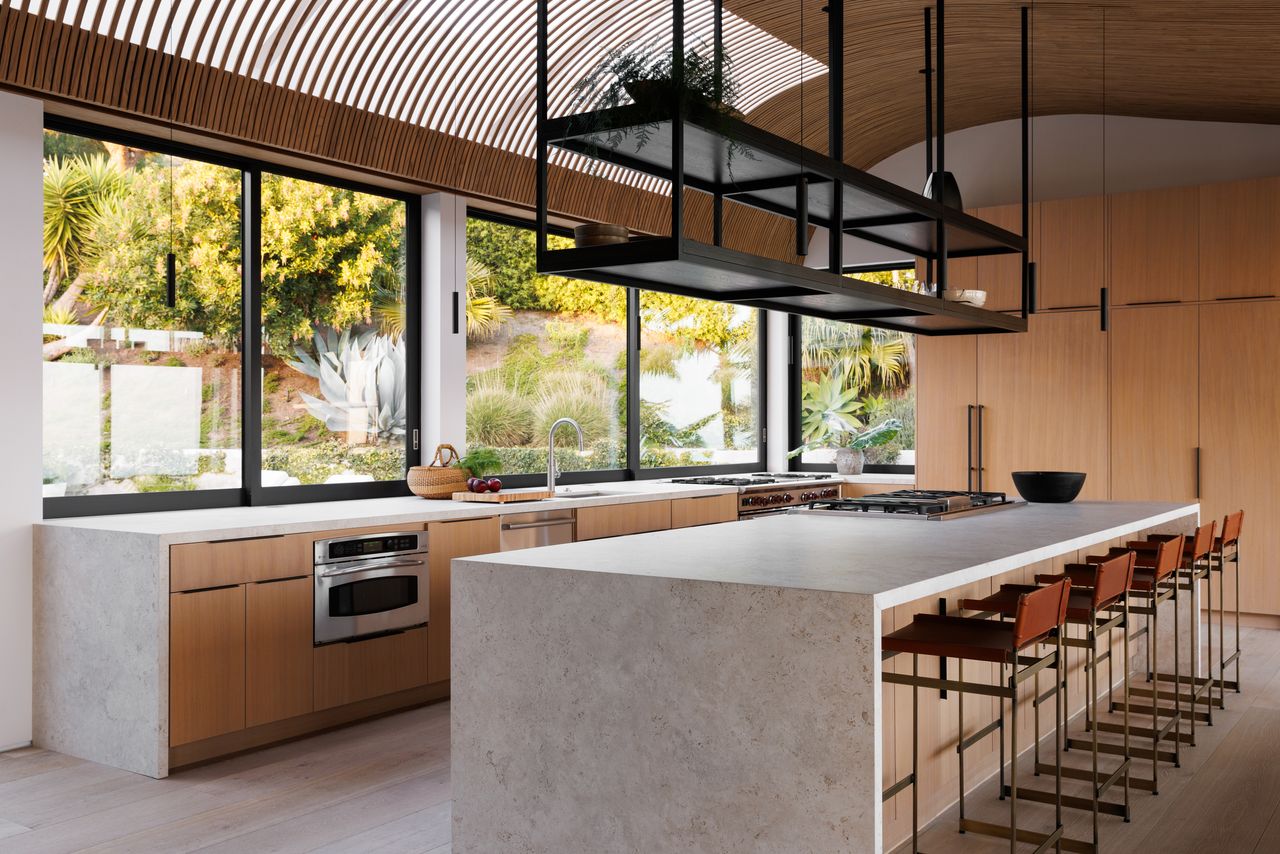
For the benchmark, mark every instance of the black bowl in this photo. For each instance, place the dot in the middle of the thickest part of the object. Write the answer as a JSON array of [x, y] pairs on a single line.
[[1049, 487]]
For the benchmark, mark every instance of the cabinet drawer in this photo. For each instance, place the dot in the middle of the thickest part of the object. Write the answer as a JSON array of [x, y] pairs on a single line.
[[707, 510], [617, 520], [350, 672], [195, 566]]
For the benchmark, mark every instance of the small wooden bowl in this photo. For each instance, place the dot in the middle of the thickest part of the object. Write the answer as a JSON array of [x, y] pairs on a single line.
[[600, 234]]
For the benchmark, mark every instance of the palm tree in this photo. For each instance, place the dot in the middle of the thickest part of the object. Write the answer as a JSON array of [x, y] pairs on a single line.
[[870, 358], [79, 192], [485, 314]]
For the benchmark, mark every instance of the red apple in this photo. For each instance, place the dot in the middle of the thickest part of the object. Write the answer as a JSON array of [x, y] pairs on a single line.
[[481, 486], [494, 484]]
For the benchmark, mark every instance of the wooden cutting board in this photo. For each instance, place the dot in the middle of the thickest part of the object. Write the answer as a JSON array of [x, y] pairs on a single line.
[[503, 497]]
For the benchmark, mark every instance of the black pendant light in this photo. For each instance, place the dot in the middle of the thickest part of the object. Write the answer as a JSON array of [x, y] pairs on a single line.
[[941, 186]]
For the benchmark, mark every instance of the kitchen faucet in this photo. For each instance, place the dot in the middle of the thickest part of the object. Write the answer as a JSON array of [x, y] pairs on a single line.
[[553, 474]]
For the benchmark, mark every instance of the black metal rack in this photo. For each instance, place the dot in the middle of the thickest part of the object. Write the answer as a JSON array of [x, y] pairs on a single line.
[[695, 148]]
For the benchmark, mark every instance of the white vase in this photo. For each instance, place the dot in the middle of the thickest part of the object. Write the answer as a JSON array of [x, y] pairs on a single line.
[[849, 461]]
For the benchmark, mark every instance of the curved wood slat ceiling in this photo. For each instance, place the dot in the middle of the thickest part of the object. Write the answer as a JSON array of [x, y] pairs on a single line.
[[411, 91], [1175, 59]]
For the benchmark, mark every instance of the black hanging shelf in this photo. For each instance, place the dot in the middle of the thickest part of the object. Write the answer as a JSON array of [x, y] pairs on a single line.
[[699, 149]]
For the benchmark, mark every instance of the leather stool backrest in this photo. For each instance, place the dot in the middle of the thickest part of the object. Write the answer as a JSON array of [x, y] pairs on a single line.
[[1040, 612], [1169, 555], [1113, 577], [1231, 528], [1202, 543]]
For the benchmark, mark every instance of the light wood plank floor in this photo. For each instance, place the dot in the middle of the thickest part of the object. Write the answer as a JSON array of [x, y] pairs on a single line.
[[383, 786], [1225, 799]]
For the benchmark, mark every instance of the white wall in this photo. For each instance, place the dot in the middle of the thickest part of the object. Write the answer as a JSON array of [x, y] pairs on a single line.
[[444, 352], [21, 151]]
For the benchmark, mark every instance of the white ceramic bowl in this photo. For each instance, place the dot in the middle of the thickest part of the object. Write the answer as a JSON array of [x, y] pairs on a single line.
[[970, 296]]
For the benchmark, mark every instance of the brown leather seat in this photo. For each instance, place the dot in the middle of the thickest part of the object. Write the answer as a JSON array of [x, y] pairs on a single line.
[[1197, 548], [1005, 601], [1036, 614], [1093, 587]]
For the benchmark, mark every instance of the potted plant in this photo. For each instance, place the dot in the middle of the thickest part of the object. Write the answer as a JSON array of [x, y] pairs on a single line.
[[643, 75], [851, 442]]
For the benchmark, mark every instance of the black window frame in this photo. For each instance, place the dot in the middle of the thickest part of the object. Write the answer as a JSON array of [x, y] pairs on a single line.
[[251, 492], [633, 471], [795, 352]]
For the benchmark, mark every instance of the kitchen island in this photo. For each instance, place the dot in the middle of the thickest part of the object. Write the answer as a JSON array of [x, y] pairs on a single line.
[[712, 689]]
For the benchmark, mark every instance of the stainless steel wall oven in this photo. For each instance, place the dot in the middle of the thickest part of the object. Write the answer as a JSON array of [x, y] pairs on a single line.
[[370, 584]]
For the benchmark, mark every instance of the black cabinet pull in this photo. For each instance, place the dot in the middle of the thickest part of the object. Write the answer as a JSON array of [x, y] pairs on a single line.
[[969, 444], [981, 467]]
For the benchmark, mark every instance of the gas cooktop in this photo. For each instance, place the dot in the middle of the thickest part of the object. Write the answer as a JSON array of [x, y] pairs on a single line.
[[913, 504]]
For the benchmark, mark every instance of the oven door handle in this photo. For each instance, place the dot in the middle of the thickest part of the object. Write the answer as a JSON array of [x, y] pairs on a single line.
[[373, 568]]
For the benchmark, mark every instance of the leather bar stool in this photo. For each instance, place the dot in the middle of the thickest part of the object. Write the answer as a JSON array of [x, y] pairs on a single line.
[[1037, 618], [1227, 550], [1155, 581], [1098, 610], [1197, 558]]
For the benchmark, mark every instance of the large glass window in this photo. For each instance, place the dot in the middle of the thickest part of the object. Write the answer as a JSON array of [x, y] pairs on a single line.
[[150, 264], [699, 382], [141, 386], [855, 377], [541, 348], [334, 362]]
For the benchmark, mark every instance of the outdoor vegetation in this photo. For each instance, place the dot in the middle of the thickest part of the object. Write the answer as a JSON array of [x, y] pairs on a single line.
[[863, 376], [145, 396], [545, 347]]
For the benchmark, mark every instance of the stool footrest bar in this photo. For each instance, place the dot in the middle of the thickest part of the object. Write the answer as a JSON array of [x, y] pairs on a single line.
[[898, 787], [1044, 841], [971, 740]]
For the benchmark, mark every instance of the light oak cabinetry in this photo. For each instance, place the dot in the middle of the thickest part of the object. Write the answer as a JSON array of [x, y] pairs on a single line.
[[707, 510], [1239, 411], [196, 566], [446, 541], [617, 520], [1005, 403], [359, 670], [1154, 246], [1154, 403], [206, 664], [1071, 268], [279, 620], [946, 384], [1001, 275], [1044, 401], [1239, 253]]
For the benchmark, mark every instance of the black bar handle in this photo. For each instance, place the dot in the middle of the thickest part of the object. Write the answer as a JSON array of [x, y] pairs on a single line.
[[802, 218], [455, 312], [1032, 292], [969, 443], [942, 660], [1197, 471], [981, 408], [1104, 313], [171, 280]]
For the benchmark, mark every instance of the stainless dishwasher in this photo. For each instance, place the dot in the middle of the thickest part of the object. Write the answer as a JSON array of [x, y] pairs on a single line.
[[530, 530]]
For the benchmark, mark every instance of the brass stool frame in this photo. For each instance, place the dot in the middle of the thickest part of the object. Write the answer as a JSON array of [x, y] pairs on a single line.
[[1011, 677]]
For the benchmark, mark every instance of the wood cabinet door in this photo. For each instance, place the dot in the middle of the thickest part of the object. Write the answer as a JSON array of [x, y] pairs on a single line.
[[206, 664], [617, 520], [279, 628], [1154, 403], [194, 566], [1240, 465], [1071, 270], [446, 541], [705, 510], [1043, 398], [1239, 255], [373, 667], [1001, 275], [1155, 246], [946, 382]]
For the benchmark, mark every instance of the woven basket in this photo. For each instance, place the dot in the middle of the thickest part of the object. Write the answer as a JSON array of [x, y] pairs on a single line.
[[442, 478]]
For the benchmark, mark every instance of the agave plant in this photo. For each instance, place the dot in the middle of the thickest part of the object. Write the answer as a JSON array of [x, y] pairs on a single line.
[[829, 407], [363, 379]]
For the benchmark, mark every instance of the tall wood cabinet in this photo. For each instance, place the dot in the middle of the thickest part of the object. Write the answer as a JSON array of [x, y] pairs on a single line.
[[1043, 399], [1154, 403], [1004, 403], [1239, 412]]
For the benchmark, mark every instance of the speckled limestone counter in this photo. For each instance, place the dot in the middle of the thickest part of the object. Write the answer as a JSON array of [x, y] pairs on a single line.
[[101, 606], [709, 689]]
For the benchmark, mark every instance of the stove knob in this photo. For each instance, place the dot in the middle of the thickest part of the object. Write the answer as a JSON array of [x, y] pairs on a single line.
[[787, 498]]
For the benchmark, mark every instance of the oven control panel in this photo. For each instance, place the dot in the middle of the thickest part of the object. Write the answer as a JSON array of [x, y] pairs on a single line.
[[369, 546], [756, 502]]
